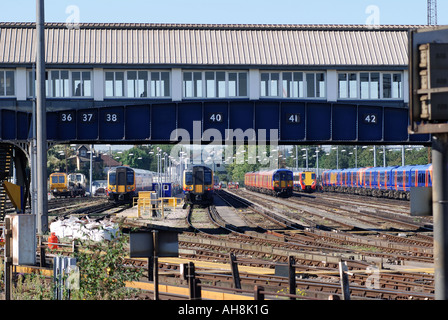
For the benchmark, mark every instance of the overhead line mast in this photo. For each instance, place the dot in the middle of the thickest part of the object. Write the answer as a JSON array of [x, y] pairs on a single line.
[[432, 12]]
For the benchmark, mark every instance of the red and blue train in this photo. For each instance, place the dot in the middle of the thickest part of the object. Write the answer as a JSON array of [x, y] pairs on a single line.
[[391, 182], [277, 182]]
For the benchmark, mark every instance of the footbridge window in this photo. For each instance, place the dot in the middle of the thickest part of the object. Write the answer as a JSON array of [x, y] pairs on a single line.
[[63, 83], [7, 83], [137, 84], [370, 85], [215, 84], [292, 84]]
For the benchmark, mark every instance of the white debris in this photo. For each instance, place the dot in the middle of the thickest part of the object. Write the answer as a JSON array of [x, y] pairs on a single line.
[[84, 229]]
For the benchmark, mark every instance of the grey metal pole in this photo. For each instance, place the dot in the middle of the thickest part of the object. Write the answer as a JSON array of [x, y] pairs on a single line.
[[91, 170], [440, 213], [403, 161], [155, 235], [374, 156], [297, 159], [41, 122]]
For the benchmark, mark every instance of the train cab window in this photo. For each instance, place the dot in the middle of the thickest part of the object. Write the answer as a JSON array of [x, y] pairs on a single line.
[[207, 177], [57, 179], [288, 176], [129, 177], [188, 178], [112, 178], [276, 177], [121, 178], [313, 176], [303, 176]]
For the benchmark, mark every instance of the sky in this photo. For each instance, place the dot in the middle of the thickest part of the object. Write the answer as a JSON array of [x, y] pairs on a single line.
[[227, 11]]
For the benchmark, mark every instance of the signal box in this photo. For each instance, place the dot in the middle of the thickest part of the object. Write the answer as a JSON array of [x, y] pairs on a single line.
[[428, 68]]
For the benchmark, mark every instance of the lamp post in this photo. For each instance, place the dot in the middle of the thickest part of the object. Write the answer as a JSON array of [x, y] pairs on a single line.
[[337, 156], [306, 154]]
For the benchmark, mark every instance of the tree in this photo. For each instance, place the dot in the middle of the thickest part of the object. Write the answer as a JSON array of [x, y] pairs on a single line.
[[56, 159], [137, 157]]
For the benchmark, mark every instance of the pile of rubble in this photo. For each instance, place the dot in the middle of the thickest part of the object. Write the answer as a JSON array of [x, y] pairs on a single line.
[[84, 228]]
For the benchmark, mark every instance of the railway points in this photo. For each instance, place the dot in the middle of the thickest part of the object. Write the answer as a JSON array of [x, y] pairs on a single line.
[[315, 263], [402, 261]]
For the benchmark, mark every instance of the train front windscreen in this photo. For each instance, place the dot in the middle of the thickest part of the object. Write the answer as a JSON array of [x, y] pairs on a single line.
[[121, 177], [188, 178], [207, 177]]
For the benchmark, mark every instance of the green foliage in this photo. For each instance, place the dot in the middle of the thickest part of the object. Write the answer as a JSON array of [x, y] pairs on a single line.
[[32, 287], [242, 164], [57, 159], [137, 157], [103, 274], [142, 157]]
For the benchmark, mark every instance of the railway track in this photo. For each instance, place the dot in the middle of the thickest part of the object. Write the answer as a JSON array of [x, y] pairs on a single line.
[[299, 242], [377, 227], [316, 248]]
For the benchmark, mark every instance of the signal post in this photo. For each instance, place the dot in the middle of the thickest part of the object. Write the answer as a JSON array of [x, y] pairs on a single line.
[[428, 111]]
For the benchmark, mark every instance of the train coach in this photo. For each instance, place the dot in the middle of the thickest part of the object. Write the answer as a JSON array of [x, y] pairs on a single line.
[[304, 181], [124, 183], [391, 182], [278, 183], [198, 186], [67, 185]]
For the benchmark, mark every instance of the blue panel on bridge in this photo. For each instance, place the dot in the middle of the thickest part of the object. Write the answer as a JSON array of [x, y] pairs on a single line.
[[297, 122], [8, 122], [216, 116], [293, 121], [23, 125], [318, 121], [52, 126], [370, 123], [188, 113], [267, 118], [241, 116], [87, 126], [67, 125], [111, 123], [396, 124], [419, 138], [344, 123], [163, 121], [138, 122]]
